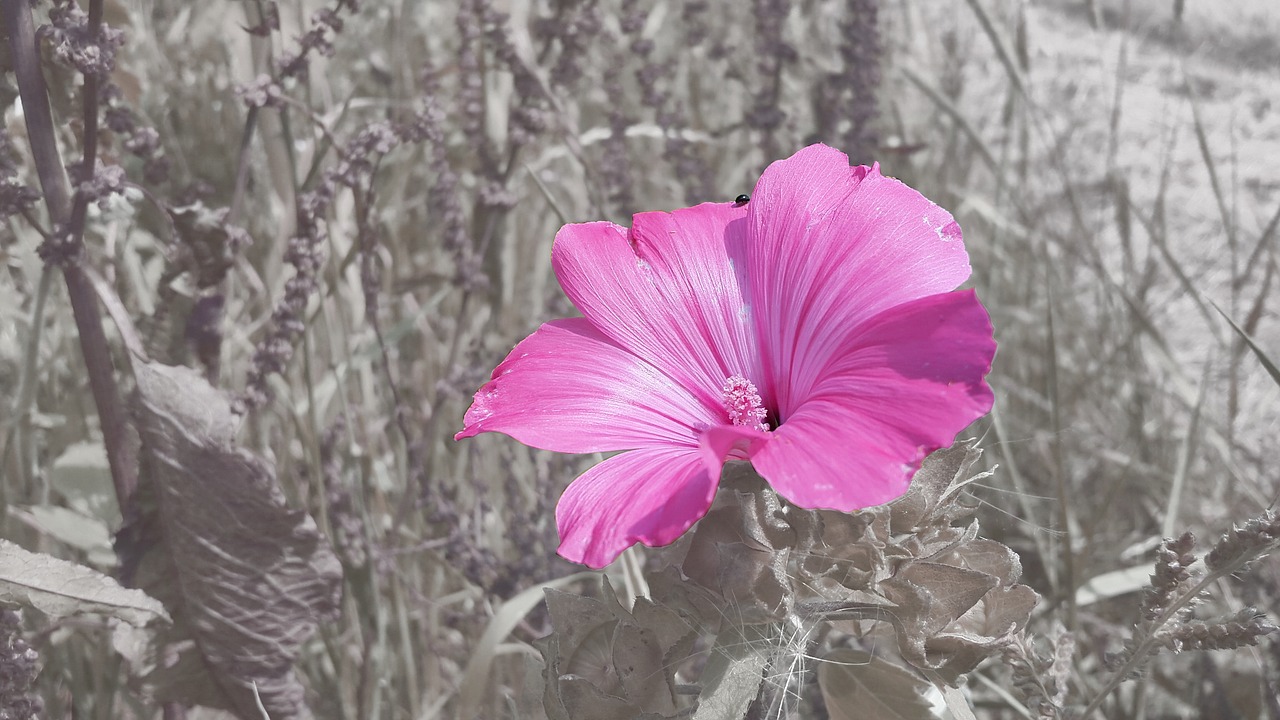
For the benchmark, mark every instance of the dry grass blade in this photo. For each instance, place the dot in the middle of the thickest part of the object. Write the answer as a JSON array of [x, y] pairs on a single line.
[[1264, 242], [1267, 363], [1065, 508], [1202, 142], [1161, 242], [997, 43], [950, 110], [25, 394], [1185, 450]]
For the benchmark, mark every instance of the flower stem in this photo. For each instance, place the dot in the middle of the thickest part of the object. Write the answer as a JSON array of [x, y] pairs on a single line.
[[68, 218]]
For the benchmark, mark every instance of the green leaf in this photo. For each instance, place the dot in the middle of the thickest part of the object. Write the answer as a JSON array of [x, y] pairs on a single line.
[[733, 675], [475, 680], [59, 588], [860, 686], [82, 476], [74, 529], [934, 486], [1113, 584]]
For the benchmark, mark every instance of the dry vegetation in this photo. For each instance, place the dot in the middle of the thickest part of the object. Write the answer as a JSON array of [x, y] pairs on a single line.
[[346, 230]]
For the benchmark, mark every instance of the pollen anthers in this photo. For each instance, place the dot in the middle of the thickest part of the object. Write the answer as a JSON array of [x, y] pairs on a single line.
[[743, 404]]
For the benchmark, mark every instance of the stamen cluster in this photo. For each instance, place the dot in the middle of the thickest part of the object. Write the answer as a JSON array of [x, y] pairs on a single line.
[[742, 402]]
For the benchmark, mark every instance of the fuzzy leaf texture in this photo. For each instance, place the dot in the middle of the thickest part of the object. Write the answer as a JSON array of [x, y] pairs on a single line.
[[246, 578], [733, 675], [958, 595], [61, 589], [604, 662]]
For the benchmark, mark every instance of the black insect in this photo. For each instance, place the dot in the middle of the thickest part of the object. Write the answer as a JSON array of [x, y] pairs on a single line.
[[741, 200]]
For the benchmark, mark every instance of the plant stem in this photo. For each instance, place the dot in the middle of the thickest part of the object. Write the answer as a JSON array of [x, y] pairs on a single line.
[[68, 218], [1144, 646]]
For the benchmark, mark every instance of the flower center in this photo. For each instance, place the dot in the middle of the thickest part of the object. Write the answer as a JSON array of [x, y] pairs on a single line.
[[743, 404]]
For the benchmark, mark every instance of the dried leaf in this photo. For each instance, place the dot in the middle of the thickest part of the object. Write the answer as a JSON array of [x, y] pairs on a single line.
[[592, 659], [210, 534], [59, 588], [552, 704], [1002, 612], [860, 686], [170, 665], [675, 632], [850, 550], [935, 542]]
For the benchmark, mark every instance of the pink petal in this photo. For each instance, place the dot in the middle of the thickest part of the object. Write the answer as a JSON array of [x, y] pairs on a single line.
[[650, 496], [905, 384], [721, 442], [670, 290], [830, 247], [568, 388]]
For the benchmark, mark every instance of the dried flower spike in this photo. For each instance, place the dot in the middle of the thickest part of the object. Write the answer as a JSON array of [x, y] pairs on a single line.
[[18, 668], [1171, 573], [1245, 542], [1239, 630], [813, 332]]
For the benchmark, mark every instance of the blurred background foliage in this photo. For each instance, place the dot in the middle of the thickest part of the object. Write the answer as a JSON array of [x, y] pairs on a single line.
[[343, 214]]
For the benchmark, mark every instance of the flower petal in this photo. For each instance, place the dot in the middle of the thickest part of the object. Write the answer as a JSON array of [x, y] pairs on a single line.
[[650, 496], [905, 384], [569, 388], [722, 442], [830, 247], [670, 290]]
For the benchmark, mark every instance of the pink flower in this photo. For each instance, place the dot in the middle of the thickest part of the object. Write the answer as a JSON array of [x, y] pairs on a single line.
[[814, 331]]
